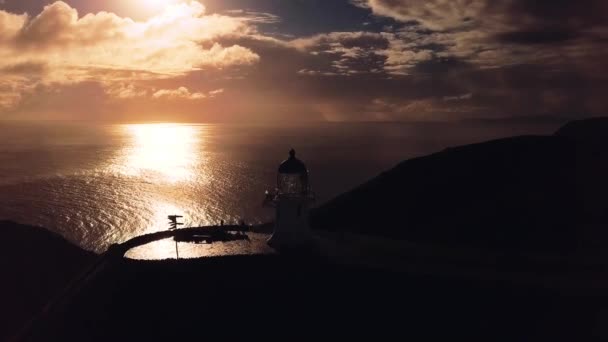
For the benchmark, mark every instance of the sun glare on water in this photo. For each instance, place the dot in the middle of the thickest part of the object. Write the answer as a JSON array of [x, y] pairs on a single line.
[[169, 152]]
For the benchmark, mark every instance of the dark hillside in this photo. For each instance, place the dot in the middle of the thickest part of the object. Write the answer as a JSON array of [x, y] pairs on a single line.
[[36, 264], [529, 193]]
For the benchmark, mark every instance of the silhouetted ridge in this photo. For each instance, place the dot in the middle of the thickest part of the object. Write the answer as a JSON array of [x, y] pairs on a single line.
[[528, 192], [594, 130]]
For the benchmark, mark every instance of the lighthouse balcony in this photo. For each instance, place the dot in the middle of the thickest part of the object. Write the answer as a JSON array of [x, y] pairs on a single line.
[[271, 198]]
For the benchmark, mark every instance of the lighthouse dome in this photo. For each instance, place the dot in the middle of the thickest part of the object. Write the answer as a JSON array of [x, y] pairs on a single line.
[[292, 164], [293, 176]]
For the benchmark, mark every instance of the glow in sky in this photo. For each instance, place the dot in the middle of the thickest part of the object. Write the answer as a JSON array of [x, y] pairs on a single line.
[[151, 7], [245, 60]]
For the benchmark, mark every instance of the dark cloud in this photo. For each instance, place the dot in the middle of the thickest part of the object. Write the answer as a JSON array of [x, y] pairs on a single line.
[[574, 14], [538, 37]]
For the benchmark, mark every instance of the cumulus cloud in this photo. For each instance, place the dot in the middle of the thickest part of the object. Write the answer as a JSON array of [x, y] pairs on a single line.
[[109, 49], [166, 44], [10, 25]]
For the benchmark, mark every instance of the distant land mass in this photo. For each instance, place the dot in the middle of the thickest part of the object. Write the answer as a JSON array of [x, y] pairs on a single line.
[[527, 192], [523, 119], [591, 132]]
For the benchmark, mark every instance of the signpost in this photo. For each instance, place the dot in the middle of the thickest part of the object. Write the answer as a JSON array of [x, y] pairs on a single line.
[[173, 225]]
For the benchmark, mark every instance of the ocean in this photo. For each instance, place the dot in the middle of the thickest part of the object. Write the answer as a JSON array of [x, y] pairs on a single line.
[[98, 184]]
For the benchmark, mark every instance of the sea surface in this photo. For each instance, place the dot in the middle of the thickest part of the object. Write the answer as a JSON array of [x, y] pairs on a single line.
[[98, 184]]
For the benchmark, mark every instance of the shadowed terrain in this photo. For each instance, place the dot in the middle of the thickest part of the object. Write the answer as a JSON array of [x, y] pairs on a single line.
[[285, 298], [36, 264], [533, 193]]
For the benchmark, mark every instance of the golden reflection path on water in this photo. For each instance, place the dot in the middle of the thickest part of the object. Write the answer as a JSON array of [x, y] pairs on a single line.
[[171, 152], [166, 157]]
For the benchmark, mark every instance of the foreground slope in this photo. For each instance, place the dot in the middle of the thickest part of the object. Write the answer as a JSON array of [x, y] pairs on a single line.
[[36, 265]]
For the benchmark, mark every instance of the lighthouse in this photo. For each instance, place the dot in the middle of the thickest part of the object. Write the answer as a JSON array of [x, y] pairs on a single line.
[[291, 200]]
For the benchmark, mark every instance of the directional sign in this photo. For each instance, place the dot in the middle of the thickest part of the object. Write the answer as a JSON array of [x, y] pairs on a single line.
[[173, 224]]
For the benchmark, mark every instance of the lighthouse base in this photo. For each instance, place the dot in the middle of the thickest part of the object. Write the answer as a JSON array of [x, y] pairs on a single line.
[[291, 229], [290, 240]]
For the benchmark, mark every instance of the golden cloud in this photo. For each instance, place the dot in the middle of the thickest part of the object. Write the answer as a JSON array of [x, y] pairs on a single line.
[[185, 93], [131, 91], [58, 46]]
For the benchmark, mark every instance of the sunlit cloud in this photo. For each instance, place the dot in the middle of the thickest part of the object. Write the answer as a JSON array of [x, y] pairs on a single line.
[[131, 91], [169, 43], [59, 46], [185, 93], [126, 91]]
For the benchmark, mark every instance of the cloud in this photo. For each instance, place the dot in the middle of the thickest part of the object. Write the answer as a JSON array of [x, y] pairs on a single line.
[[185, 93], [216, 92], [414, 60], [9, 96], [499, 33], [434, 14], [467, 96], [417, 73], [254, 17], [351, 53], [400, 57], [10, 25], [441, 15], [125, 91], [346, 53], [106, 48], [179, 93]]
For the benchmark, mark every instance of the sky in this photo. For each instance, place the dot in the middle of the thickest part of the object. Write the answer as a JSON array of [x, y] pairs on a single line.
[[303, 60]]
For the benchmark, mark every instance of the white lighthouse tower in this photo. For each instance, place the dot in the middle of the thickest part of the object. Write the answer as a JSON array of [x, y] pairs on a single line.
[[292, 200]]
